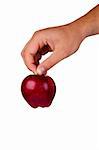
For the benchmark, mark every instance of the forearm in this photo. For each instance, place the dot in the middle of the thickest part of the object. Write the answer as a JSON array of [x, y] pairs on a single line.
[[89, 23]]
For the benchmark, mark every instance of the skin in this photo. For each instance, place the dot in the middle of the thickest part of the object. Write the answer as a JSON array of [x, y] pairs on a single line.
[[62, 41]]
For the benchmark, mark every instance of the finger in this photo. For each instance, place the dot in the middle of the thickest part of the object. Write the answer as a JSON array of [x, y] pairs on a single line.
[[29, 62], [37, 57], [49, 63], [45, 49], [29, 53]]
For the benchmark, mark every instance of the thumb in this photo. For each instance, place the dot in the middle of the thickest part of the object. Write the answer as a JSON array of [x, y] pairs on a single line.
[[52, 60]]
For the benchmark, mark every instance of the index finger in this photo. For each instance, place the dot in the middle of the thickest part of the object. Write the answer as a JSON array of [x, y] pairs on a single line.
[[29, 53]]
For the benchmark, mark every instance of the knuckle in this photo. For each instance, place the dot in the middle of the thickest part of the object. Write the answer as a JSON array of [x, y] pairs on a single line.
[[22, 53], [36, 33]]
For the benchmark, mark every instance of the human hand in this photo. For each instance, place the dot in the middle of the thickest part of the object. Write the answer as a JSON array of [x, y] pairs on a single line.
[[62, 41]]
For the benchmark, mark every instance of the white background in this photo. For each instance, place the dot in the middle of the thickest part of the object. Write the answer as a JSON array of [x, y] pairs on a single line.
[[72, 121]]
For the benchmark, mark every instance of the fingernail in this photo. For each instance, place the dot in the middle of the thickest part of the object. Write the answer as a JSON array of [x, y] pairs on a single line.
[[41, 70]]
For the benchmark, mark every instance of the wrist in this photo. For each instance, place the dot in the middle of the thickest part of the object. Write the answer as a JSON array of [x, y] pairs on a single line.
[[80, 27], [84, 27], [89, 23], [86, 24]]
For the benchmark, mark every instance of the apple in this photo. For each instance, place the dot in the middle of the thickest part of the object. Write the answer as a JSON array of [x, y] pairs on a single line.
[[38, 91]]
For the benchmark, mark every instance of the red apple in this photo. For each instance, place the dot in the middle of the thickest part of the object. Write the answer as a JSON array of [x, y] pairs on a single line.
[[38, 91]]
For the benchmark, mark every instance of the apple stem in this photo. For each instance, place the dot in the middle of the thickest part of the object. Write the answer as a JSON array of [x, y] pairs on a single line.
[[35, 73]]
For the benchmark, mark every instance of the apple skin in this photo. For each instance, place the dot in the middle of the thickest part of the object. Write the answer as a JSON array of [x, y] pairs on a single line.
[[38, 91]]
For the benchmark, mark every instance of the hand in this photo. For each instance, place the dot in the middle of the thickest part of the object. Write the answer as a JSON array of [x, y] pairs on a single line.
[[62, 41]]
